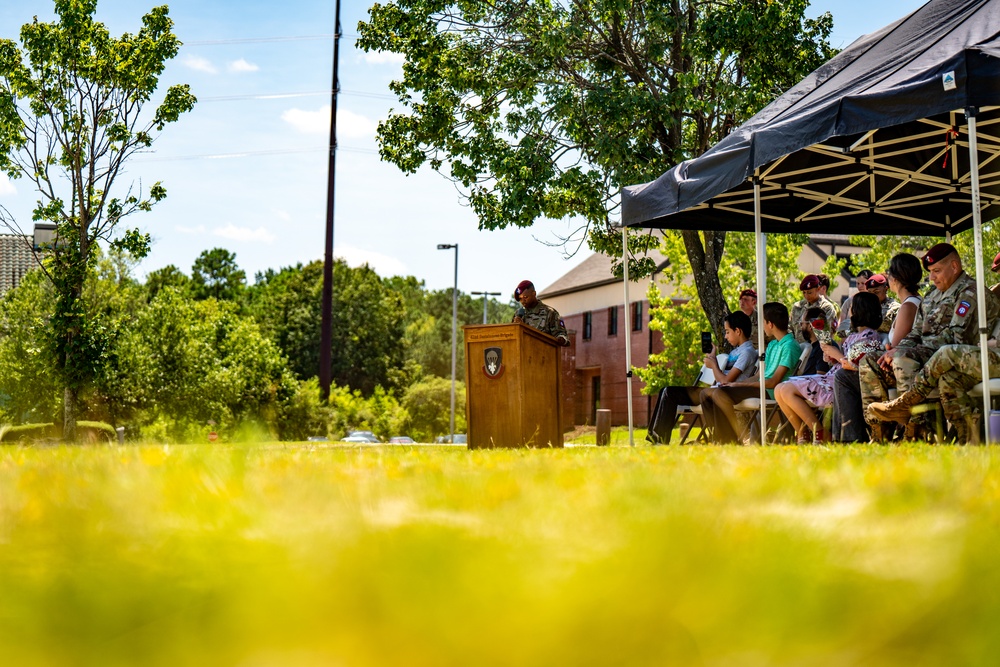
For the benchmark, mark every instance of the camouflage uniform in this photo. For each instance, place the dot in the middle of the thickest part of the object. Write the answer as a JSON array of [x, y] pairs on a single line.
[[944, 318], [546, 319], [799, 309], [890, 308], [954, 370]]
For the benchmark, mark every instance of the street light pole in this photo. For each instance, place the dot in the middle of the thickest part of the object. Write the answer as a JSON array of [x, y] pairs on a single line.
[[454, 334], [485, 296]]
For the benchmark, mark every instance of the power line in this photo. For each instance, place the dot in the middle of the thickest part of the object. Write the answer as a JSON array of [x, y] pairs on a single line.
[[264, 40], [281, 96], [243, 154]]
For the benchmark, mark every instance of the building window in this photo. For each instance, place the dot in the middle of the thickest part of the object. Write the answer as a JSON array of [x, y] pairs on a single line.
[[588, 324], [613, 320], [637, 316]]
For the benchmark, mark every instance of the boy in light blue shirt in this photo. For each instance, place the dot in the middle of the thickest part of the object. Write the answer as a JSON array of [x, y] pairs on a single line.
[[780, 360]]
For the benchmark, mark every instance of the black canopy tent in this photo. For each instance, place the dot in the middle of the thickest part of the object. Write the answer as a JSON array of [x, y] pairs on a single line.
[[898, 134]]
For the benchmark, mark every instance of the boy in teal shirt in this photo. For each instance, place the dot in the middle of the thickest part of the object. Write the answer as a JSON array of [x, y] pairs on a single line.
[[780, 360]]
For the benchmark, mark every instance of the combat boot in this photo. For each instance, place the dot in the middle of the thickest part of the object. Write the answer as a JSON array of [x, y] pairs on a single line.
[[897, 410], [913, 431], [967, 430], [878, 431]]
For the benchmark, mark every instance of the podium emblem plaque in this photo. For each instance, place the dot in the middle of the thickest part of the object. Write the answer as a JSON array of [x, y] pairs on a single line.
[[493, 358]]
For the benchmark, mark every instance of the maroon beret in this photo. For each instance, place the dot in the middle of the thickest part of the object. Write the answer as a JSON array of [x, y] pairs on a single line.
[[753, 294], [809, 282], [996, 263], [523, 287], [877, 280], [937, 253]]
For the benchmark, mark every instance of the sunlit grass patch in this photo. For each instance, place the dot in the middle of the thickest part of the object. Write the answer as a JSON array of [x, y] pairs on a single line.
[[299, 555]]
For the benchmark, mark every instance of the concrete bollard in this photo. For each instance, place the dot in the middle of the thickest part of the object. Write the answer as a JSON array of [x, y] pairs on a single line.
[[121, 435], [603, 428]]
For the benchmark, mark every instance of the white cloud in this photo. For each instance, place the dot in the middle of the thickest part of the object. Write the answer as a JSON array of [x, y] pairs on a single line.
[[349, 124], [384, 265], [6, 187], [308, 122], [235, 233], [200, 229], [284, 216], [242, 65], [383, 58], [199, 64], [354, 126]]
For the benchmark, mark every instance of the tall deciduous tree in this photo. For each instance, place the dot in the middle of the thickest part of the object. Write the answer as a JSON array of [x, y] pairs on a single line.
[[368, 333], [72, 112], [215, 274], [545, 109]]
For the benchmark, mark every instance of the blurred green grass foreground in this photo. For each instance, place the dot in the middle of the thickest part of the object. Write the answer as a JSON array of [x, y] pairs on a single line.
[[323, 555]]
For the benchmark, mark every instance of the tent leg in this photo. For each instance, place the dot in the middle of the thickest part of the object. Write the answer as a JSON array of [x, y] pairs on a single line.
[[628, 338], [980, 270], [760, 243]]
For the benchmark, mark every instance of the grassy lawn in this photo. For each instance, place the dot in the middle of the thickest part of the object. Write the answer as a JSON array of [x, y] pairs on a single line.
[[330, 555]]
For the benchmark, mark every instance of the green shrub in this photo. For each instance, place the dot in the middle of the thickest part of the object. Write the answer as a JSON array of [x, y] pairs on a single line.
[[301, 414]]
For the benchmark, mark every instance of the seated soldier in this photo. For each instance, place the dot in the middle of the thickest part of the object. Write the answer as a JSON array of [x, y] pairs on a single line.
[[953, 370], [824, 292], [811, 297], [947, 316]]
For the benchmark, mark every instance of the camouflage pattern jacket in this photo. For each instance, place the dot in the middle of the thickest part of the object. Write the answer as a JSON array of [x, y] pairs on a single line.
[[546, 319], [890, 309], [950, 317]]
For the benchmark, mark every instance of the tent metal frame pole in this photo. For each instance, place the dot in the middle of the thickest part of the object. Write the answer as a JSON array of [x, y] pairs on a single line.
[[760, 243], [628, 337], [977, 224]]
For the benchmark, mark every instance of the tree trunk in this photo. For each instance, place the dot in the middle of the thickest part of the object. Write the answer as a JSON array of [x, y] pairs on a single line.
[[69, 414], [704, 259]]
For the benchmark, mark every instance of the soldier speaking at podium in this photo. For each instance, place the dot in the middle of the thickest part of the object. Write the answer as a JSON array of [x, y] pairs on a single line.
[[537, 315]]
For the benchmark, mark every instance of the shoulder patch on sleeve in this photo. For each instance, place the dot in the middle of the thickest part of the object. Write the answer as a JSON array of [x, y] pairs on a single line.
[[963, 308]]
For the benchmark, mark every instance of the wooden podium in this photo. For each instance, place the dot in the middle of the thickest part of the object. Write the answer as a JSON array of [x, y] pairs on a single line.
[[512, 383]]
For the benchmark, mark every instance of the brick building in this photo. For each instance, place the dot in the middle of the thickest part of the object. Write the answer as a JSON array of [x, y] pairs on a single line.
[[590, 300]]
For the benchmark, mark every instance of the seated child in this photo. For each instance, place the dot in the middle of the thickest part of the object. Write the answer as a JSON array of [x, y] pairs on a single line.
[[738, 366], [781, 358], [866, 317]]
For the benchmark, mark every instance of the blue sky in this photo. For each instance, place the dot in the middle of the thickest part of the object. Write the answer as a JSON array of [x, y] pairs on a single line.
[[247, 169]]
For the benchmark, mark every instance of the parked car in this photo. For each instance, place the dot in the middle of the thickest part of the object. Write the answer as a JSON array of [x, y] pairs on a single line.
[[455, 438], [358, 439], [368, 435], [401, 440]]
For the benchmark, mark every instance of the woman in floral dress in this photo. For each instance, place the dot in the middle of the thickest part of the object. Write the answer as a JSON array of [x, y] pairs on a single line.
[[795, 395]]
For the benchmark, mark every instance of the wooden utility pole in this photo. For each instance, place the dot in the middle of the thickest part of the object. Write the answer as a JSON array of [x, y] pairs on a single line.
[[326, 327]]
